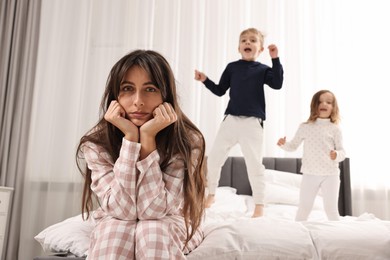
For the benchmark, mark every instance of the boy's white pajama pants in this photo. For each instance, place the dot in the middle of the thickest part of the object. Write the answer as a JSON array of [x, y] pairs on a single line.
[[310, 185], [248, 133]]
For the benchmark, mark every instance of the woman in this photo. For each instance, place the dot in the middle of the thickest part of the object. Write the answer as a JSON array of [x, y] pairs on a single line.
[[144, 162]]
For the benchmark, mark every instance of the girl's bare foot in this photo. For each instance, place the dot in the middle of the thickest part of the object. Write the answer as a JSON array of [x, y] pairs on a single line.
[[210, 200], [259, 211]]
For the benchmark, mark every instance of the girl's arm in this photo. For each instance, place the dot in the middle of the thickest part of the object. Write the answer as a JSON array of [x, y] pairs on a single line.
[[339, 148], [295, 142], [114, 183]]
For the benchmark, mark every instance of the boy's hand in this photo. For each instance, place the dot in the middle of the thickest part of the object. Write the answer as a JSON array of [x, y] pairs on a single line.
[[200, 76], [273, 51], [281, 141]]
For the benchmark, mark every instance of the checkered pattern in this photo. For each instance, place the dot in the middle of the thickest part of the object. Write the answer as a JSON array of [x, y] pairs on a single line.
[[140, 213]]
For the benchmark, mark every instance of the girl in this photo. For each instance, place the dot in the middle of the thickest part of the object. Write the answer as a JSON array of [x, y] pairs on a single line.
[[322, 152], [144, 164]]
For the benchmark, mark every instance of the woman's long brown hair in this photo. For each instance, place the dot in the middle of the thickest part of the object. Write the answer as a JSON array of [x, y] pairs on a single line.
[[180, 138]]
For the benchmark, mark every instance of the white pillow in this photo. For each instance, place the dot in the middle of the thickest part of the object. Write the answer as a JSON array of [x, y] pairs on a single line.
[[283, 188], [226, 200], [71, 235], [281, 194], [284, 178]]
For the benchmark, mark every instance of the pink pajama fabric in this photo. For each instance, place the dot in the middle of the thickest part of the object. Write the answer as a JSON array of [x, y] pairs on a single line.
[[140, 206]]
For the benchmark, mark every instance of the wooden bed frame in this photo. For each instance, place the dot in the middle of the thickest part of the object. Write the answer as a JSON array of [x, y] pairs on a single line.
[[234, 174]]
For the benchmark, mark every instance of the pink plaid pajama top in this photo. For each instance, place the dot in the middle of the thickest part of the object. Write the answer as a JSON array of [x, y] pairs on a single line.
[[139, 217]]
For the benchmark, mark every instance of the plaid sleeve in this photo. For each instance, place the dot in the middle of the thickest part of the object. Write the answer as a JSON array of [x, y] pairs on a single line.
[[114, 183], [161, 193]]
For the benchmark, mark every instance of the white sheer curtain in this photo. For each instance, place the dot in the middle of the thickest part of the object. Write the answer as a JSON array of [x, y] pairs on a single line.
[[336, 44]]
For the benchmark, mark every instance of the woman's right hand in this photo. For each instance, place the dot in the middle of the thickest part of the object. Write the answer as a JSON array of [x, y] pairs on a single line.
[[116, 115]]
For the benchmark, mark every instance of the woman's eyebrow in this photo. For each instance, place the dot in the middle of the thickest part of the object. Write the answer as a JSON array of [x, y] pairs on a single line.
[[131, 83], [126, 82], [149, 83]]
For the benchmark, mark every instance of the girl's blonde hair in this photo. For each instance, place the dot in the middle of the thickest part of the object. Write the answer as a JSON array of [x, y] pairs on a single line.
[[315, 102], [256, 32]]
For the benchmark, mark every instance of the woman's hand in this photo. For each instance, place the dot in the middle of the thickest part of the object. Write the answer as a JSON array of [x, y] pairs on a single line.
[[116, 115], [164, 115]]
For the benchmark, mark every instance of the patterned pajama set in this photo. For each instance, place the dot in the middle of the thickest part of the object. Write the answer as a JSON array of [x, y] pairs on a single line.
[[140, 206], [318, 169]]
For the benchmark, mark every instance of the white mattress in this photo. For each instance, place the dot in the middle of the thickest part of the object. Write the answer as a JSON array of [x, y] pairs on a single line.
[[231, 233]]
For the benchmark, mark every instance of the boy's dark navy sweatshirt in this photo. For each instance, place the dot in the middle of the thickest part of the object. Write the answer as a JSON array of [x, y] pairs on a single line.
[[246, 81]]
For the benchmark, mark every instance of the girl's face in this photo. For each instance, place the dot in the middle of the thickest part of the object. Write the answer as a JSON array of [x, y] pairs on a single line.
[[325, 105], [138, 96], [250, 46]]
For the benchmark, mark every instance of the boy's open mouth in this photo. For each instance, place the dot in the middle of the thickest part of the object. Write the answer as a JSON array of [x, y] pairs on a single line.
[[247, 50]]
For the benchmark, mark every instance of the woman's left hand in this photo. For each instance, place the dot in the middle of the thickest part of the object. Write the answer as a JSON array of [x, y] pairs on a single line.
[[164, 115]]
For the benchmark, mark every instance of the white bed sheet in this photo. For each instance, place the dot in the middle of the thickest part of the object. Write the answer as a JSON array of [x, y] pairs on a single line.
[[231, 233], [359, 238], [247, 238], [235, 235]]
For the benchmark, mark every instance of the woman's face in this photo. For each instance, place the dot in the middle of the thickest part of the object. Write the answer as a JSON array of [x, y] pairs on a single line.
[[138, 96]]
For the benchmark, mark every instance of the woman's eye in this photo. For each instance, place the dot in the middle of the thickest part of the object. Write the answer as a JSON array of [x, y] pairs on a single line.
[[150, 89], [126, 88]]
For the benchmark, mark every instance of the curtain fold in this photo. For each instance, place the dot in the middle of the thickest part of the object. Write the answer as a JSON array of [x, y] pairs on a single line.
[[19, 41]]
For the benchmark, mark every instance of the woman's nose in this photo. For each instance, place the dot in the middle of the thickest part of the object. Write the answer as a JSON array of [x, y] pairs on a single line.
[[138, 100]]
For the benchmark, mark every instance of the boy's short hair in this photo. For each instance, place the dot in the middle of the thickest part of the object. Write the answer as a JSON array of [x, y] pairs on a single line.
[[254, 31]]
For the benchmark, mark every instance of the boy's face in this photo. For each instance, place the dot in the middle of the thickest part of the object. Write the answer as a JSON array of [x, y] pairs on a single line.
[[250, 46]]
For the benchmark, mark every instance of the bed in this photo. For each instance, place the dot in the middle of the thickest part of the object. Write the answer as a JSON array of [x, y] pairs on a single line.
[[230, 232]]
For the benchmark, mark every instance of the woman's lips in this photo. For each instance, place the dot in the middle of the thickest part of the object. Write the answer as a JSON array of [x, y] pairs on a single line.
[[138, 115]]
